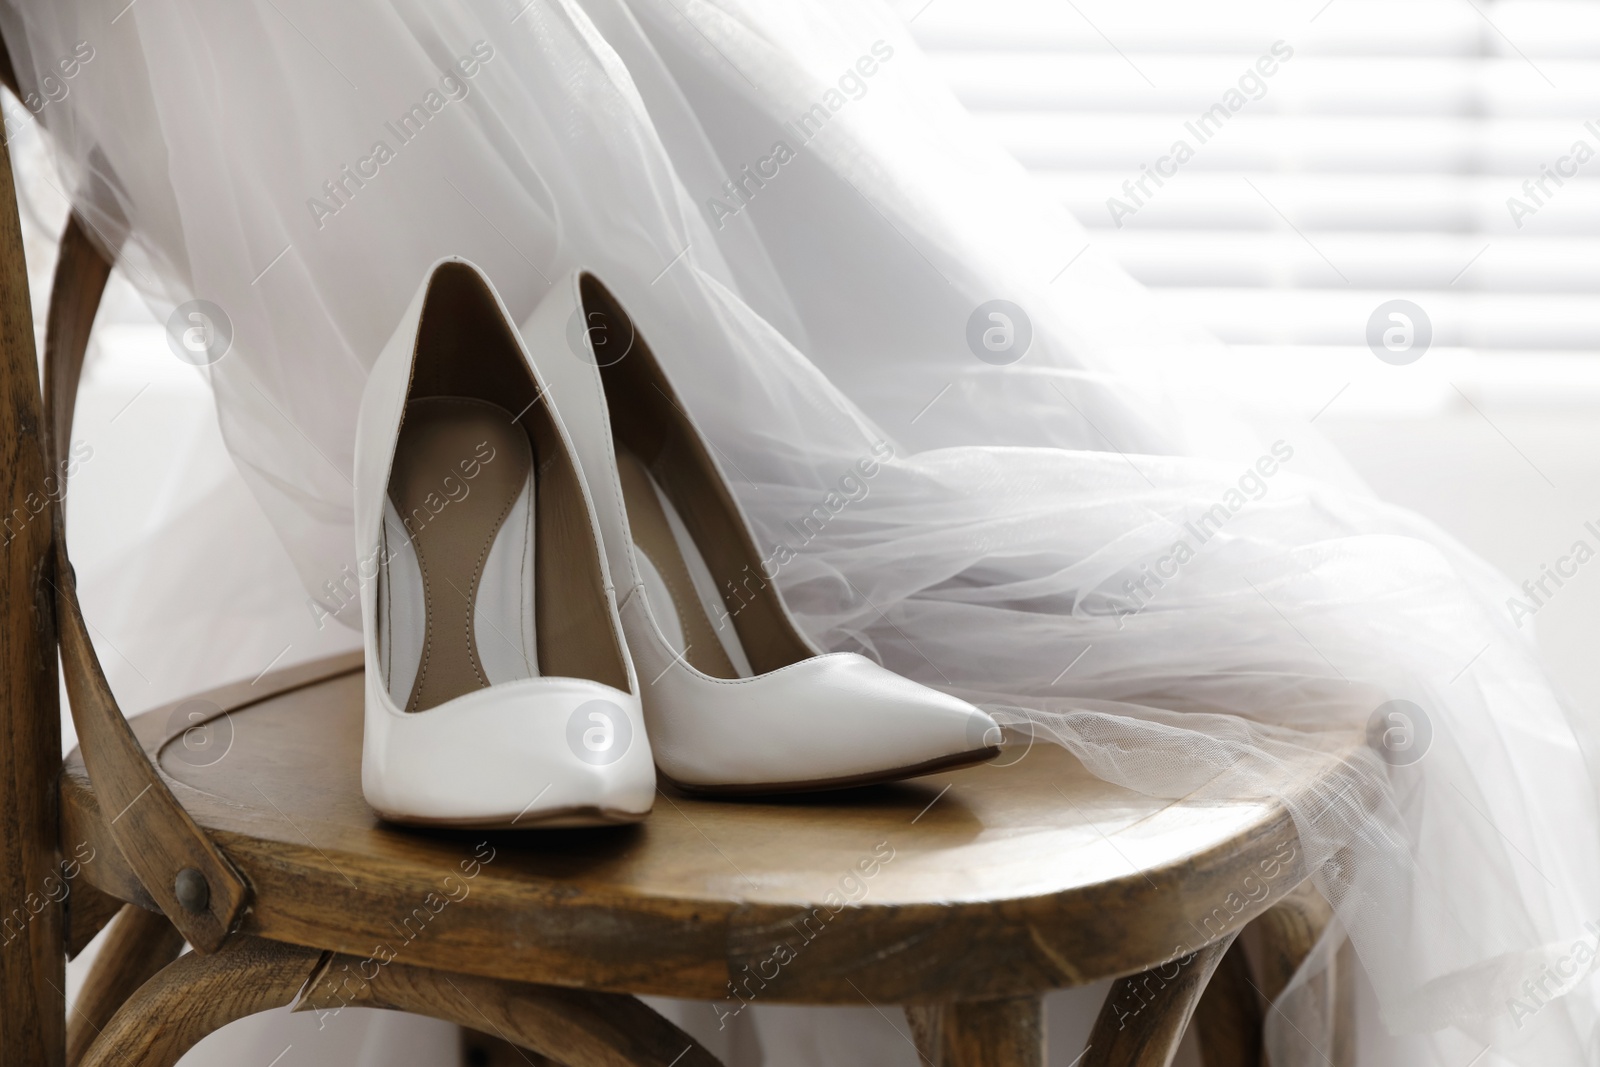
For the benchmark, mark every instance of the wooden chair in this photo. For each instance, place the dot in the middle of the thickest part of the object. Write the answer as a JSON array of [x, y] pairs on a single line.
[[963, 897]]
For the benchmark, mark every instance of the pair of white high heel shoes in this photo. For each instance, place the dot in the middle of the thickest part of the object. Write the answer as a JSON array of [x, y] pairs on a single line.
[[504, 481]]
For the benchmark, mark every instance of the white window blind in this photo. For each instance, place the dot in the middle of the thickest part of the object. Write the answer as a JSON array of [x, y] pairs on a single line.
[[1375, 162]]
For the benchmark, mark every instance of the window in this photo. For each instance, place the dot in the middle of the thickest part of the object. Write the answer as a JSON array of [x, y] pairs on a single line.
[[1341, 154]]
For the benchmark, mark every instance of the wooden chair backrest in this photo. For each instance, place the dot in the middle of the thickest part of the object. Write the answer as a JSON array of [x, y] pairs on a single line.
[[181, 869], [178, 865], [33, 961]]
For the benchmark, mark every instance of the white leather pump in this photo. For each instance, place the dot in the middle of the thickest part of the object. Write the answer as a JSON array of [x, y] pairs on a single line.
[[499, 691], [736, 698]]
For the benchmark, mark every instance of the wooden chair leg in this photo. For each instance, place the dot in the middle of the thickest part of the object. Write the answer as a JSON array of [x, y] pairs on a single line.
[[1228, 1019], [139, 944], [196, 995], [575, 1027], [1283, 936], [924, 1020], [988, 1033], [89, 911], [1145, 1015], [1344, 1006], [993, 1033], [1279, 942], [32, 960]]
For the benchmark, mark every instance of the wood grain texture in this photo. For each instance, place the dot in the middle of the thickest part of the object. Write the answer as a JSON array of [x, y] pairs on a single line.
[[139, 944], [992, 1033], [162, 839], [89, 910], [1228, 1018], [1283, 936], [32, 928], [574, 1027], [989, 882], [82, 271], [1145, 1015], [196, 995], [924, 1020], [1279, 942]]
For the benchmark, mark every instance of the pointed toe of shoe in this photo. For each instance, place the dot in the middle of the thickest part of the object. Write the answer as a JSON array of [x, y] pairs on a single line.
[[831, 722], [886, 727]]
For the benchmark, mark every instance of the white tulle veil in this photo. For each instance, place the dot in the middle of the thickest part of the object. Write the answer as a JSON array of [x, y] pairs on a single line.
[[1088, 540]]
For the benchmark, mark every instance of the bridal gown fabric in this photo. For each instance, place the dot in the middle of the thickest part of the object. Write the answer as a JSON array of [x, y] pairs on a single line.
[[1063, 523]]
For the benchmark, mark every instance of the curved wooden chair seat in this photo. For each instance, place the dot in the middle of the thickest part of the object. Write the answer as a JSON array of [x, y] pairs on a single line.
[[986, 884]]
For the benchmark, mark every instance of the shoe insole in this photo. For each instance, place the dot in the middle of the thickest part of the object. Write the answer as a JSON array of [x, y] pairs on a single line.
[[676, 576], [461, 467]]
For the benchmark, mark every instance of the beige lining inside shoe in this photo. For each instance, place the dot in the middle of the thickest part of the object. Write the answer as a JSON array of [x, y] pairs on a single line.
[[683, 577], [468, 377], [649, 426], [452, 519]]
